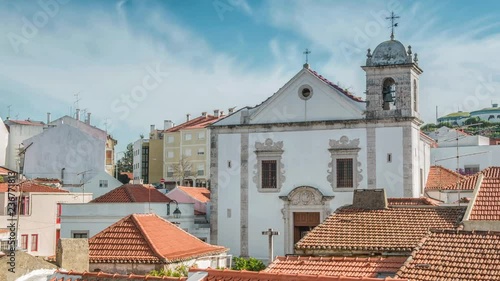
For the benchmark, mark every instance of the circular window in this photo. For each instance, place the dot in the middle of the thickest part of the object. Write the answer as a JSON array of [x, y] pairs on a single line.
[[305, 92]]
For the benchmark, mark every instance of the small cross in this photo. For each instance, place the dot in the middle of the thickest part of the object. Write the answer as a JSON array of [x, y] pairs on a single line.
[[307, 52], [270, 233], [392, 18]]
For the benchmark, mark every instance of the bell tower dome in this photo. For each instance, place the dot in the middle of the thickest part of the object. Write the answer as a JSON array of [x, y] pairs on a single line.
[[392, 76]]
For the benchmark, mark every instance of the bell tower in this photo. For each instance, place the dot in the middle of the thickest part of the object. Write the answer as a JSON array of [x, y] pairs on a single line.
[[392, 76]]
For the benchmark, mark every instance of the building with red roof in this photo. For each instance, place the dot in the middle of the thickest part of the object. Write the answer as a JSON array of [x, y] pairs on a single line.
[[140, 243], [39, 214], [87, 219], [199, 196]]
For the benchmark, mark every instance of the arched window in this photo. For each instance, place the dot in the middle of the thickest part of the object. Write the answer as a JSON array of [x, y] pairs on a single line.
[[388, 94], [415, 95], [491, 117]]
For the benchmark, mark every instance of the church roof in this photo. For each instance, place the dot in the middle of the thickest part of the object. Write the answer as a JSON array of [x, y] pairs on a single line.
[[147, 238], [336, 87], [336, 266], [390, 52], [393, 229]]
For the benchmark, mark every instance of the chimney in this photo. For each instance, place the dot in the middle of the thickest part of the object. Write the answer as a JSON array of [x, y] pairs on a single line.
[[369, 199], [216, 112], [188, 117], [167, 124], [231, 110], [73, 253], [77, 114], [204, 114], [152, 128], [88, 118], [495, 105], [48, 118], [221, 113]]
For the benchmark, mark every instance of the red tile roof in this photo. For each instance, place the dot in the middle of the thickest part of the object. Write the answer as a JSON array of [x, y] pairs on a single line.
[[29, 186], [199, 193], [147, 238], [336, 87], [132, 193], [440, 177], [455, 255], [336, 266], [374, 231], [5, 171], [422, 201], [486, 204], [196, 123], [61, 275], [236, 275]]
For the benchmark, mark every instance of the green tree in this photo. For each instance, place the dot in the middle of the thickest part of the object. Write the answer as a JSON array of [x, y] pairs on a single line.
[[125, 163], [251, 264]]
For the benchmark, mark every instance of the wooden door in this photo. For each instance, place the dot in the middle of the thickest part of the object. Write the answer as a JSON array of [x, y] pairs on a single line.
[[303, 222]]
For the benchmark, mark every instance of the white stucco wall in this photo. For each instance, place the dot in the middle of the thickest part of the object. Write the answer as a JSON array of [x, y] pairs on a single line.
[[18, 133], [42, 218], [95, 217], [93, 186], [390, 175], [64, 146], [483, 155]]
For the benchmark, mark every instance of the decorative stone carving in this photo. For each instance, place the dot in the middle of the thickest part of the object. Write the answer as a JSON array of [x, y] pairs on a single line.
[[269, 150], [344, 148]]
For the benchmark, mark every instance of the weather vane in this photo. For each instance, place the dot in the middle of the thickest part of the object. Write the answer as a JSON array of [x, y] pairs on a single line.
[[393, 24], [307, 52]]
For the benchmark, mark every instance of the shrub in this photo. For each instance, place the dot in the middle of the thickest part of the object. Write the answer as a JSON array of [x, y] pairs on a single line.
[[251, 264]]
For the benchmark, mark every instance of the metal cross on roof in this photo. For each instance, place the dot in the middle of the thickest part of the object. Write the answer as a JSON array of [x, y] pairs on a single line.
[[393, 24], [307, 52]]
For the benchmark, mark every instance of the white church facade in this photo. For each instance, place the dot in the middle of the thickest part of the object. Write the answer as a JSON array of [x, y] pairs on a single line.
[[290, 161]]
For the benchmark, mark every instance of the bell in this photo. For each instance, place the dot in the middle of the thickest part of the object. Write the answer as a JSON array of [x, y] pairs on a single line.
[[388, 97]]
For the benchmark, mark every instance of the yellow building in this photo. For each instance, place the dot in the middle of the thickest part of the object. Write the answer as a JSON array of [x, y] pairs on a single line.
[[186, 148]]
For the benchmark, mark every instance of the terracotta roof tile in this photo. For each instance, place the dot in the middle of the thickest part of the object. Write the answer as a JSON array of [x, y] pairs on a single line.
[[486, 204], [422, 201], [440, 177], [236, 275], [196, 123], [392, 229], [29, 186], [336, 266], [147, 238], [199, 193], [25, 122], [132, 193], [336, 87], [61, 275], [5, 171], [455, 255]]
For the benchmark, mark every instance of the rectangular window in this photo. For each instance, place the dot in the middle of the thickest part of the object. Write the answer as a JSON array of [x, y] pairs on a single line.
[[25, 205], [109, 157], [4, 246], [170, 139], [187, 152], [345, 176], [201, 151], [269, 174], [59, 212], [187, 137], [24, 241], [103, 183], [201, 135], [170, 154], [471, 169], [170, 172], [34, 242], [201, 169], [80, 234], [389, 157]]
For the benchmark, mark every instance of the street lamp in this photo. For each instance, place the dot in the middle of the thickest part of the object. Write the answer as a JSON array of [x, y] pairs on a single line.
[[177, 213]]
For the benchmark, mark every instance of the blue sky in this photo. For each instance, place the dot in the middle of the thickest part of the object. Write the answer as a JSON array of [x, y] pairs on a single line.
[[194, 56]]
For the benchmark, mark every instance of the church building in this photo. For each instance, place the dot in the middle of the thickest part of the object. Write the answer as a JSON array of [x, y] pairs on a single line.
[[290, 161]]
